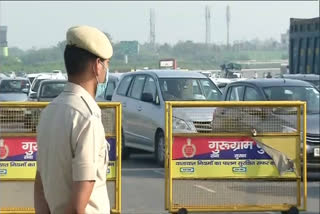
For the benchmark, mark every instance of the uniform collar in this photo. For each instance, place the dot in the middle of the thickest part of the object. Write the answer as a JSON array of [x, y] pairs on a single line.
[[84, 94]]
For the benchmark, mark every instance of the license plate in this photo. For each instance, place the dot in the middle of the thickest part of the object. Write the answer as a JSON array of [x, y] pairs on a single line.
[[316, 152]]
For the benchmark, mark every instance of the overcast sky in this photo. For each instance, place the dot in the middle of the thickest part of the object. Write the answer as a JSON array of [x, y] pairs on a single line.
[[44, 24]]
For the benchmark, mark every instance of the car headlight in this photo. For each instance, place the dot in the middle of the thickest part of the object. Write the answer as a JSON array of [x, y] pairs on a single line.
[[181, 124]]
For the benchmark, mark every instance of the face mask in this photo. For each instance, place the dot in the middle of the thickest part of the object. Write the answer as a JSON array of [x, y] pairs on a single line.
[[101, 85]]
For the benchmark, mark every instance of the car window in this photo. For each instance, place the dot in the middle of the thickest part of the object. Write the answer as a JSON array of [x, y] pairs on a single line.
[[51, 90], [251, 94], [13, 86], [309, 94], [210, 90], [188, 89], [36, 85], [150, 87], [124, 85], [110, 89], [137, 87], [235, 93]]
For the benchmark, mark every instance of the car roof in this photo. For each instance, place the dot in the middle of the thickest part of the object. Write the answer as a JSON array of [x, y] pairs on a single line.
[[272, 82], [14, 78], [54, 81], [302, 76], [171, 73], [116, 74]]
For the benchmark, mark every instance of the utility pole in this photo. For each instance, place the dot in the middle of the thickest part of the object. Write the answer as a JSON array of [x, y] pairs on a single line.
[[208, 25], [228, 25], [152, 27], [3, 37]]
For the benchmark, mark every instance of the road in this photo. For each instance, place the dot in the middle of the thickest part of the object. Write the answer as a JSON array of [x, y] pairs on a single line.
[[143, 189], [142, 177]]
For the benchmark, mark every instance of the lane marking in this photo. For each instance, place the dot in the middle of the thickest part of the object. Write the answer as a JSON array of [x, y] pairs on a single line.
[[205, 188], [158, 172]]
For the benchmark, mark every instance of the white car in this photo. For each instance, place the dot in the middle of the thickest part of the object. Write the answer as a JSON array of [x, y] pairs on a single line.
[[36, 83]]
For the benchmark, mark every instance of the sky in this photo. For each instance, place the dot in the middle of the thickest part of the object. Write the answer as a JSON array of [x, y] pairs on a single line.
[[37, 24]]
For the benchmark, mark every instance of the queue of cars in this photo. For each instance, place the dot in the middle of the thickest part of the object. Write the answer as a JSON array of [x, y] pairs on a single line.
[[32, 87], [143, 95]]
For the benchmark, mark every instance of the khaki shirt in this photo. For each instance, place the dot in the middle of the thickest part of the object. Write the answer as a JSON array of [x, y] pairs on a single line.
[[72, 147]]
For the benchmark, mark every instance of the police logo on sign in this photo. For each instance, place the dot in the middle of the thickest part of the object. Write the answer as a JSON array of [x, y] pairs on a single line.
[[4, 150], [189, 150]]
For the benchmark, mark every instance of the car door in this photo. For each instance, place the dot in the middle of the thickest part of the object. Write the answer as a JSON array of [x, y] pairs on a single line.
[[254, 116], [235, 93], [252, 94], [133, 117], [121, 96], [149, 111]]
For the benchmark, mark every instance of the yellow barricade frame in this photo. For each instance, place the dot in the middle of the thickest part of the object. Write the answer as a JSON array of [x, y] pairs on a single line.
[[118, 120], [242, 208]]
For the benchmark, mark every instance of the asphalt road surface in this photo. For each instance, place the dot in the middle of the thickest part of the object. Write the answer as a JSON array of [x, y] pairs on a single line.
[[143, 189]]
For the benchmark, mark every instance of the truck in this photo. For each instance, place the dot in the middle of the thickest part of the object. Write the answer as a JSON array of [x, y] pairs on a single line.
[[304, 46]]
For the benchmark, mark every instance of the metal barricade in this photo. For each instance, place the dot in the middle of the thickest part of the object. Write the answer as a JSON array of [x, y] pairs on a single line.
[[235, 156], [18, 147]]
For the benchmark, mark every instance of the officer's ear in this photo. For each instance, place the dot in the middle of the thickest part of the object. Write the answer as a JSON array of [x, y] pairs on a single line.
[[97, 67]]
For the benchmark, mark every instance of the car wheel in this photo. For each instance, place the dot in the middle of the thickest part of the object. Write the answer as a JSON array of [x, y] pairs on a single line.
[[125, 152], [160, 149], [292, 210]]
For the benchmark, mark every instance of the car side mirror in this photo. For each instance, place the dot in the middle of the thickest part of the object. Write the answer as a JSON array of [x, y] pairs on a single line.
[[33, 95], [147, 97], [25, 90]]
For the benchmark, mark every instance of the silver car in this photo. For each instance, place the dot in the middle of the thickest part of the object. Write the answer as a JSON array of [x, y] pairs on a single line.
[[143, 95], [50, 89], [14, 89]]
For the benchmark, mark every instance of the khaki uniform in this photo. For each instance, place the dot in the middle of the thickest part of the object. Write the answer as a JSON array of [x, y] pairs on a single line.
[[72, 147]]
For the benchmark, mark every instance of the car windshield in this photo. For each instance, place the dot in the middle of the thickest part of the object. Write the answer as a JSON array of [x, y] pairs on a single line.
[[36, 85], [308, 94], [13, 86], [189, 89], [52, 90], [316, 83]]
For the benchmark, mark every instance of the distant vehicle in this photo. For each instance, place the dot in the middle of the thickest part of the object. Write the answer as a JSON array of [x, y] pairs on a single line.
[[231, 70], [222, 82], [36, 83], [14, 89], [304, 37], [311, 78], [31, 77], [284, 90], [50, 89], [143, 95], [21, 74], [2, 76], [106, 94]]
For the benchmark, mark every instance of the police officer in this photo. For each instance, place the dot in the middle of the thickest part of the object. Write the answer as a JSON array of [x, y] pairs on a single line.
[[72, 151]]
